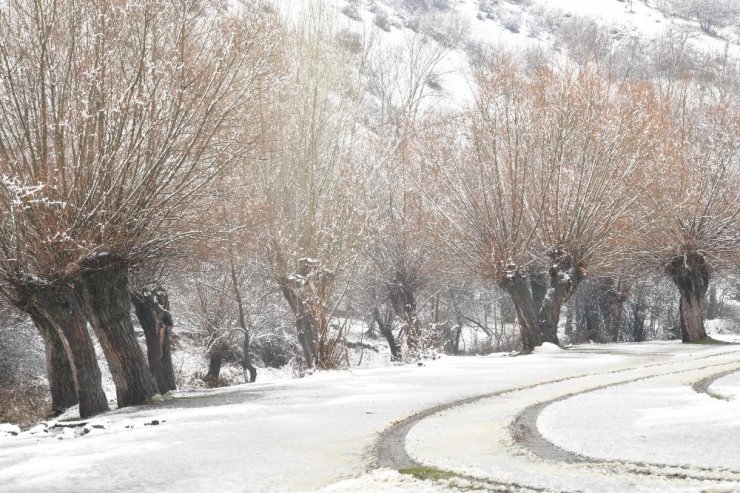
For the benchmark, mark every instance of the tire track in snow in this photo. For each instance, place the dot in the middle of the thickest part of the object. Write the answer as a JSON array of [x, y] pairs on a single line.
[[702, 386], [390, 450], [525, 432]]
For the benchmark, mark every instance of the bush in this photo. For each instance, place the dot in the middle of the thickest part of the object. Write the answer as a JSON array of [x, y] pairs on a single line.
[[382, 20], [25, 404], [351, 11], [275, 350]]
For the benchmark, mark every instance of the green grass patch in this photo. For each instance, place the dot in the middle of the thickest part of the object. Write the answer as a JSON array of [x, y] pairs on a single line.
[[427, 473], [717, 396]]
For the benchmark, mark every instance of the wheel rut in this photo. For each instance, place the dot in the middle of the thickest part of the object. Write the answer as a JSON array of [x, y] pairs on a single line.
[[390, 450]]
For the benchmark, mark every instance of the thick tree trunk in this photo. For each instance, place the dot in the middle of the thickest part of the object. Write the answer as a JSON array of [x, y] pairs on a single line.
[[538, 283], [387, 330], [404, 304], [304, 323], [518, 288], [152, 308], [565, 275], [60, 306], [58, 368], [214, 366], [107, 304], [690, 274], [307, 292], [612, 295]]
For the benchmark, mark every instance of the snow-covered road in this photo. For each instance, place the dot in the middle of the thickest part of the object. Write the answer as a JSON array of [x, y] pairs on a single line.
[[324, 431]]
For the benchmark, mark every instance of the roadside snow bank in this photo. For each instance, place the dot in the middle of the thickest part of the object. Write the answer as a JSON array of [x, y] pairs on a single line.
[[7, 429], [547, 347]]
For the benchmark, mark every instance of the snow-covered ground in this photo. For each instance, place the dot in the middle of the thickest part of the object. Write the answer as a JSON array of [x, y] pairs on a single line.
[[319, 432], [727, 387]]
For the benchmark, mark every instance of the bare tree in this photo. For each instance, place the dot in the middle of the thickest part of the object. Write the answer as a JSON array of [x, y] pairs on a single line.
[[309, 170], [695, 206], [548, 175], [152, 307], [115, 116], [58, 367]]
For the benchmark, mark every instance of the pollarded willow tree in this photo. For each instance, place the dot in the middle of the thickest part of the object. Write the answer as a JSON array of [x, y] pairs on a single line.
[[402, 79], [553, 161], [694, 231], [113, 116], [309, 172]]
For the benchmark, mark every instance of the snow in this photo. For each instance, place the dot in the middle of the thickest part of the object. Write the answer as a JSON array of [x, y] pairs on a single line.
[[318, 432], [385, 480], [624, 423], [650, 416], [727, 387], [9, 429], [547, 347], [513, 26]]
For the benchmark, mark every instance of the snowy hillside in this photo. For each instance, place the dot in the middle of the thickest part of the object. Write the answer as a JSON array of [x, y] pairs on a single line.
[[628, 30]]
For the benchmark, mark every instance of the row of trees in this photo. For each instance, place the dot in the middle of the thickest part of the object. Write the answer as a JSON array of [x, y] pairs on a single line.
[[243, 156], [115, 117]]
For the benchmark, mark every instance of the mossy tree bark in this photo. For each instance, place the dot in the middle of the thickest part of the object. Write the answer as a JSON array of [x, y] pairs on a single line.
[[152, 307], [104, 291]]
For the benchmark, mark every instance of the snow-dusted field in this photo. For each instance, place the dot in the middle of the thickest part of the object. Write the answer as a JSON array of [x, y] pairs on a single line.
[[320, 432]]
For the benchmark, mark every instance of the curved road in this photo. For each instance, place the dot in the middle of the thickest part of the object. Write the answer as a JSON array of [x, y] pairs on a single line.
[[473, 416], [493, 441]]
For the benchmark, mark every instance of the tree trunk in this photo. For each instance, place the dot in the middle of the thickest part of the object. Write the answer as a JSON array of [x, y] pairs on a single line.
[[592, 320], [106, 300], [59, 305], [387, 330], [58, 368], [638, 323], [247, 359], [304, 323], [538, 283], [307, 292], [690, 274], [565, 275], [458, 336], [712, 304], [518, 288], [214, 366], [152, 308], [403, 302]]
